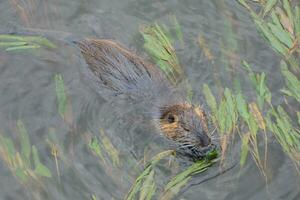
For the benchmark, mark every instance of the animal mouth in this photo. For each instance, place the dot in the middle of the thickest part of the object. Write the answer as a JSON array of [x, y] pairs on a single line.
[[196, 152]]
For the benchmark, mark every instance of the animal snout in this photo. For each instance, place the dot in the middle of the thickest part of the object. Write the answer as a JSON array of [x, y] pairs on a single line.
[[204, 139]]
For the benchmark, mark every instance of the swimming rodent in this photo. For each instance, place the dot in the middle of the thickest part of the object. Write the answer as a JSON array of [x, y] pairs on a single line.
[[122, 73]]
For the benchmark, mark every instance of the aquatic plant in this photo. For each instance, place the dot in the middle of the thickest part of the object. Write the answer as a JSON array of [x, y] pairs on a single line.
[[13, 42], [24, 163], [144, 183], [104, 149], [279, 23], [158, 43]]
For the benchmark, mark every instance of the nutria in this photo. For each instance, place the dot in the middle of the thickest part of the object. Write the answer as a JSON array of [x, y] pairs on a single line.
[[121, 72]]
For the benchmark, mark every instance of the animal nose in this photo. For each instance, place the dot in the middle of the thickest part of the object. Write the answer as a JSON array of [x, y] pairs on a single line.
[[204, 140]]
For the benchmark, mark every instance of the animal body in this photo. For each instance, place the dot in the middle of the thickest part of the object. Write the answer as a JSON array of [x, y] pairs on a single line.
[[123, 74]]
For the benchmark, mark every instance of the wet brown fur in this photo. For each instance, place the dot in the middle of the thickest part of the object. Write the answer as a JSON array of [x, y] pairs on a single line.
[[103, 58]]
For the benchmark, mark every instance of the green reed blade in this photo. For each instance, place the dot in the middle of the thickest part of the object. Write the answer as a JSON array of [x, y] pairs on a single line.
[[148, 188], [253, 126], [242, 107], [275, 19], [8, 37], [40, 169], [37, 40], [231, 118], [22, 47], [194, 169], [288, 10], [138, 183], [297, 21], [20, 173], [177, 29], [8, 148], [210, 99], [281, 34], [110, 149], [135, 188], [243, 2], [60, 94], [10, 44], [244, 149], [25, 142], [94, 145], [251, 74], [277, 45], [40, 41], [292, 83], [269, 5], [169, 194], [221, 117]]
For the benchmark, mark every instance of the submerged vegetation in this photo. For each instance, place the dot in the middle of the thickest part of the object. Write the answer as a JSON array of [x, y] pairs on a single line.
[[23, 42], [254, 122], [25, 163]]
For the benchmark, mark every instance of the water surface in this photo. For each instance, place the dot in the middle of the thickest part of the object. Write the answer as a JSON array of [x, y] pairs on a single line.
[[28, 93]]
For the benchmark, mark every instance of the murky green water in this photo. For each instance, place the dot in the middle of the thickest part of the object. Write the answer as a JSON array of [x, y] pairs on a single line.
[[27, 91]]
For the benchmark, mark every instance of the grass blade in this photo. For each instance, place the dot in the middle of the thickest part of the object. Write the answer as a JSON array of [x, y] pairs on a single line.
[[60, 94]]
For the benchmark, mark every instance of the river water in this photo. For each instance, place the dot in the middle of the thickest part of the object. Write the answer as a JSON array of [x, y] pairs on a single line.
[[27, 91]]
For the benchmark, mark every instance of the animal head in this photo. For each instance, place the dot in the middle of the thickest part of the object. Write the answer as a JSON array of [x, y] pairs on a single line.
[[188, 127]]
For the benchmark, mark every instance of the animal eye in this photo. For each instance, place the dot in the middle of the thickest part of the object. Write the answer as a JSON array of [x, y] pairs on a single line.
[[171, 118]]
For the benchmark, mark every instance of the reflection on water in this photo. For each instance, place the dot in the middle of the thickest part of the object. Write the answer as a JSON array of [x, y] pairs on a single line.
[[27, 90]]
